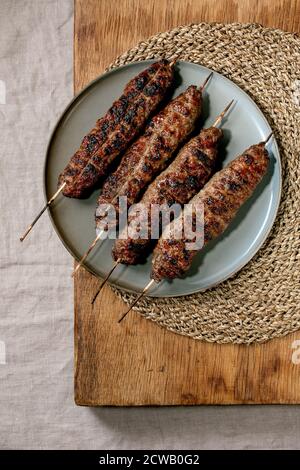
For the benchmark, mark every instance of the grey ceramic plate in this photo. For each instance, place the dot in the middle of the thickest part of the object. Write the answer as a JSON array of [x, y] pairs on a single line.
[[73, 219]]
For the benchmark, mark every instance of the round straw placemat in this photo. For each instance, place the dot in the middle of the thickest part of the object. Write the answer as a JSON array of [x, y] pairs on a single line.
[[261, 301]]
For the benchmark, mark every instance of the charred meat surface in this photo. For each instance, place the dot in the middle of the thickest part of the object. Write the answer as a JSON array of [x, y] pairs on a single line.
[[116, 130], [150, 154], [186, 175], [221, 199]]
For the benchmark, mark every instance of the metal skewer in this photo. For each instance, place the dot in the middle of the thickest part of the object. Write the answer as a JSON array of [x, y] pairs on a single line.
[[42, 211], [144, 291], [216, 123]]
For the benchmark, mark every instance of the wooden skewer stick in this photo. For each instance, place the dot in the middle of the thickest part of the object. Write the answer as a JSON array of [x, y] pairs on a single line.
[[268, 138], [144, 291], [216, 123], [86, 254], [42, 211], [105, 280], [221, 116], [206, 81]]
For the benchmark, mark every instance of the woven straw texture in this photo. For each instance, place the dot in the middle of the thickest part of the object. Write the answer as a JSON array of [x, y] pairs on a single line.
[[261, 301]]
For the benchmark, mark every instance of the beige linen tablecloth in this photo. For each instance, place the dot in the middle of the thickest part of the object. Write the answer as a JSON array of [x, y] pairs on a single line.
[[37, 410]]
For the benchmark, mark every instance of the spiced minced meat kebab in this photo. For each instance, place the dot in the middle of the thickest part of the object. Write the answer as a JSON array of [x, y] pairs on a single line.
[[147, 157], [113, 133], [117, 129], [150, 154], [184, 177], [221, 198]]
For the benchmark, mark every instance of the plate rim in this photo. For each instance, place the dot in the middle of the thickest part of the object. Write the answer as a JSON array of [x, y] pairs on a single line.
[[114, 284]]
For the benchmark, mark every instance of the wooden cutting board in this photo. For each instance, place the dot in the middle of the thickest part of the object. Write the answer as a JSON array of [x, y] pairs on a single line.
[[137, 362]]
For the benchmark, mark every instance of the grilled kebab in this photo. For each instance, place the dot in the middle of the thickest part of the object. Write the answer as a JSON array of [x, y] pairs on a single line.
[[186, 175], [150, 154], [116, 130], [221, 199]]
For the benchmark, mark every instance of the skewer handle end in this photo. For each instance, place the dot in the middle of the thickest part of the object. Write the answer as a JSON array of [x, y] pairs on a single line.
[[25, 234], [42, 211], [144, 291]]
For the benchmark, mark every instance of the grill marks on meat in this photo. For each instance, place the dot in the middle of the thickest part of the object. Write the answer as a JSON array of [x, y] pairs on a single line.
[[221, 198], [150, 154], [113, 133], [186, 175]]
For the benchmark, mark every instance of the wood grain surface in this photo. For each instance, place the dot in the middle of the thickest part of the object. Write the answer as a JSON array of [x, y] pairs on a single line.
[[137, 362]]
